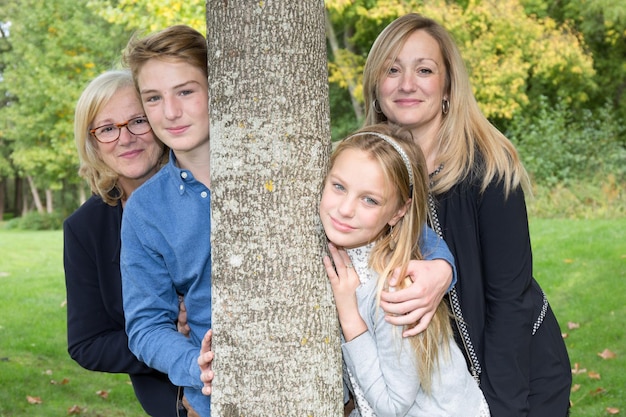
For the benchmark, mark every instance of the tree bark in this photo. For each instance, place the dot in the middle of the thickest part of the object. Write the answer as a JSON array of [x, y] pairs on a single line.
[[276, 335]]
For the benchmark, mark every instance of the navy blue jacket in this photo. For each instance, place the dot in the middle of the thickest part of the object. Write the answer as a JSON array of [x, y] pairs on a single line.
[[96, 337]]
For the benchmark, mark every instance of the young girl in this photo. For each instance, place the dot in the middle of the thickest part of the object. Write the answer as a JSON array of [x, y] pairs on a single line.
[[374, 205]]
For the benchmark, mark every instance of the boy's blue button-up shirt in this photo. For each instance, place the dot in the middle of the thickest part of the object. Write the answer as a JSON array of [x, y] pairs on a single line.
[[166, 251]]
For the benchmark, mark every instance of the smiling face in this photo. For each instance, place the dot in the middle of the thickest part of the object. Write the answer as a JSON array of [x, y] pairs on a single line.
[[175, 98], [410, 94], [357, 204], [133, 157]]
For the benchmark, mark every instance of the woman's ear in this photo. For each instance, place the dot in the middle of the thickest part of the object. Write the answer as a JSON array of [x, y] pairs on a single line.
[[400, 213]]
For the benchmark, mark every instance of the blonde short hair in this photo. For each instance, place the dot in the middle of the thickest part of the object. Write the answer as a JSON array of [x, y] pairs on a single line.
[[102, 180]]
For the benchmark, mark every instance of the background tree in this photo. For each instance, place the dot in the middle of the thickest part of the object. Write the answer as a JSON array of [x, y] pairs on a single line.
[[56, 48], [6, 170], [549, 74], [513, 58], [152, 15], [276, 337], [602, 25]]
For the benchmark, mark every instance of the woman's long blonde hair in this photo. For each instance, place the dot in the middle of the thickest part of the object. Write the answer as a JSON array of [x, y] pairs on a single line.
[[396, 247], [102, 180], [465, 134]]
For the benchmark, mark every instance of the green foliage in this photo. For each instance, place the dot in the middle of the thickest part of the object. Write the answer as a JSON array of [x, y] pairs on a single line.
[[513, 58], [560, 145], [525, 58], [602, 25], [37, 221], [56, 47], [602, 197], [152, 15], [343, 121]]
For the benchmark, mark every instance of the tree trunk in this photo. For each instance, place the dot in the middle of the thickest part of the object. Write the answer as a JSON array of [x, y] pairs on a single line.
[[276, 335], [19, 200], [3, 195], [49, 201], [35, 194]]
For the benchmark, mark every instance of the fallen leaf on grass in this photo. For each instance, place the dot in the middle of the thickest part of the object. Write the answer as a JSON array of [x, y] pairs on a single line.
[[607, 354], [568, 261], [64, 381], [74, 410], [577, 370], [571, 325], [593, 375], [103, 394], [598, 391], [33, 400], [612, 410], [575, 387], [564, 335]]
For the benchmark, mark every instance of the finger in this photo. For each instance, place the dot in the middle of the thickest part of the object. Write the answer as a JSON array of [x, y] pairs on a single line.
[[414, 292], [419, 327], [404, 307], [206, 390], [205, 361], [342, 261], [207, 378], [330, 268], [406, 319], [206, 340], [394, 279], [334, 253]]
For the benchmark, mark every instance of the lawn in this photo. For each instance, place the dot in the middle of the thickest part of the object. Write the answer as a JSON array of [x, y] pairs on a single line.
[[37, 376], [581, 265]]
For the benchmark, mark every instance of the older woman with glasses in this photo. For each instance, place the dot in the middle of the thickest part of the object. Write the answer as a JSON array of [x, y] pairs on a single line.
[[118, 152]]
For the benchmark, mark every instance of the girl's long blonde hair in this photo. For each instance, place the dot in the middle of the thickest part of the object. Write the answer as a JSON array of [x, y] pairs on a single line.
[[396, 247], [465, 134]]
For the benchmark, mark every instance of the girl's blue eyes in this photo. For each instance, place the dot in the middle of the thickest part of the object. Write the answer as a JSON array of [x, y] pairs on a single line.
[[367, 200], [338, 187]]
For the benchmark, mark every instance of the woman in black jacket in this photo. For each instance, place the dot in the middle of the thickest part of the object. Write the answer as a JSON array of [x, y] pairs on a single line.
[[415, 77], [118, 152]]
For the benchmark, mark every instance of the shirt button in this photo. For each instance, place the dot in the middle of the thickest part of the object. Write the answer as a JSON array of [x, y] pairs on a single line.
[[183, 175], [181, 187], [204, 194]]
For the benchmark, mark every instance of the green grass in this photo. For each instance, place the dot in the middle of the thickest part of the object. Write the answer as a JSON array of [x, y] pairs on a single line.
[[33, 348], [581, 264]]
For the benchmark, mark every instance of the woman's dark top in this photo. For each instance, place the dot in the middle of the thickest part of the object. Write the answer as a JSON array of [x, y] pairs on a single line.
[[95, 319], [522, 374]]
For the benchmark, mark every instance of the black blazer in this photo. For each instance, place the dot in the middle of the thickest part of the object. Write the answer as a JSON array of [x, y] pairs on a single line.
[[501, 301], [96, 337]]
